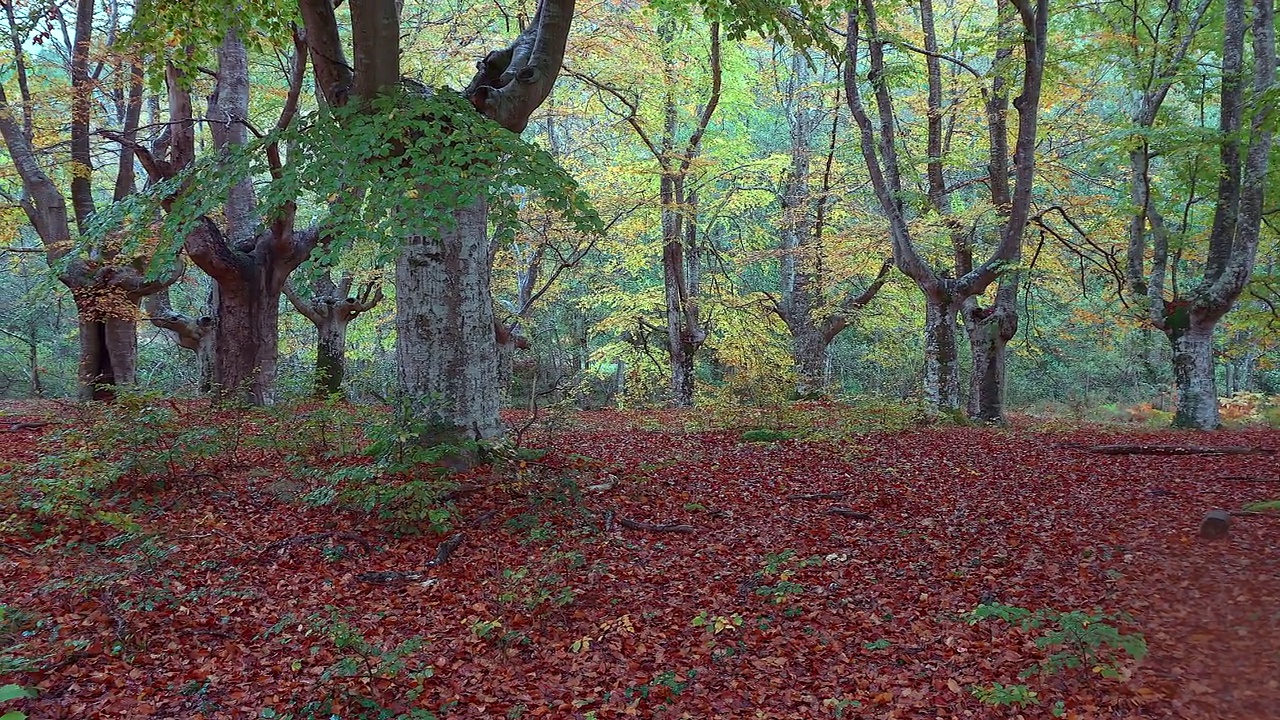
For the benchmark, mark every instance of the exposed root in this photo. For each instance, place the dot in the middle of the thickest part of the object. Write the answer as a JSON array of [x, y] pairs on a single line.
[[390, 577], [818, 496], [846, 512], [1176, 450], [280, 546]]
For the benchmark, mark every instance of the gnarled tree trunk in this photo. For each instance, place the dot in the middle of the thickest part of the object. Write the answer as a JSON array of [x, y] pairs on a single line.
[[990, 330], [331, 309], [444, 327], [1193, 375]]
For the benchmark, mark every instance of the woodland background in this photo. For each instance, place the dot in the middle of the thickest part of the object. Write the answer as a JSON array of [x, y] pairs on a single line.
[[588, 307]]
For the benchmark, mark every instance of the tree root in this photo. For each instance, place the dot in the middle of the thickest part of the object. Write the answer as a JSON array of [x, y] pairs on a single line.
[[280, 546], [17, 426], [390, 577]]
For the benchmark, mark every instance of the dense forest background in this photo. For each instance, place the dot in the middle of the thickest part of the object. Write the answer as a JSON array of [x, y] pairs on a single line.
[[768, 175]]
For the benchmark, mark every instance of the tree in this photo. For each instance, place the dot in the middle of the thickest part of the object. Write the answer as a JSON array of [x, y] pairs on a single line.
[[251, 256], [803, 306], [444, 310], [1189, 319], [681, 255], [331, 308], [944, 293], [107, 281]]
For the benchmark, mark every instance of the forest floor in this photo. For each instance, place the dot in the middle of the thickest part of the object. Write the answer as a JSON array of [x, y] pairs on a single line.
[[651, 564]]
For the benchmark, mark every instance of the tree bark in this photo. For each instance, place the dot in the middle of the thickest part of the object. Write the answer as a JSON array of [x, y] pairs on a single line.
[[989, 331], [331, 309], [106, 288], [1194, 377], [1244, 158], [944, 293], [448, 365], [445, 344], [941, 359]]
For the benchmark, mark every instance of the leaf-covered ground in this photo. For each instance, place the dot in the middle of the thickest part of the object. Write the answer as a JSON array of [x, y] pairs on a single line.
[[221, 594]]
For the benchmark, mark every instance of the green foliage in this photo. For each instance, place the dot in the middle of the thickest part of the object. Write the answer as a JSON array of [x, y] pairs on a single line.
[[999, 695], [400, 480], [781, 567], [365, 676], [1263, 506], [14, 692], [716, 624], [1073, 640], [187, 34], [140, 440], [365, 168], [766, 435]]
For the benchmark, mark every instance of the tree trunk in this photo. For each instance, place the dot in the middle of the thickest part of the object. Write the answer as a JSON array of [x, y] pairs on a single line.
[[108, 350], [941, 364], [447, 357], [1193, 376], [809, 353], [331, 355], [989, 331], [245, 346], [37, 389]]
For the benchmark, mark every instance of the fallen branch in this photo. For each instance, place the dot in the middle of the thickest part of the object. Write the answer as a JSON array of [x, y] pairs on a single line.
[[653, 527], [1250, 478], [280, 546], [17, 549], [1176, 450], [15, 427], [846, 512], [818, 496], [388, 577]]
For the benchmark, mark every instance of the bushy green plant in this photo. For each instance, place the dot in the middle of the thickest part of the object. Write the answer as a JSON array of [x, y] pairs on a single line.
[[766, 435], [367, 679], [141, 439], [999, 695], [401, 477], [1073, 639], [13, 692]]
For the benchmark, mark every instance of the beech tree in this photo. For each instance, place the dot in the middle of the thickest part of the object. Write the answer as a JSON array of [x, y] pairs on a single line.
[[252, 251], [445, 344], [1188, 314], [682, 259], [331, 307], [107, 279], [947, 290], [811, 319]]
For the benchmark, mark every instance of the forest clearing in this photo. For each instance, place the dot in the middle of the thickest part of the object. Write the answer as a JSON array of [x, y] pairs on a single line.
[[808, 561]]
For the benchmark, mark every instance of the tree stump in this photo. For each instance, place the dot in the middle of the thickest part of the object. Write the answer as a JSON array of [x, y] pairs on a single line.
[[1215, 524]]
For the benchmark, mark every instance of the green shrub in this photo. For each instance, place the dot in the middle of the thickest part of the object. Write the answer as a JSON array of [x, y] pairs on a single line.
[[766, 435], [1073, 639], [13, 692]]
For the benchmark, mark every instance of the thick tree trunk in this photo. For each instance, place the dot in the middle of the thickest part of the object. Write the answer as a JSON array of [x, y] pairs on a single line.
[[809, 353], [941, 364], [108, 351], [331, 356], [447, 356], [1193, 376], [989, 331], [245, 346]]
